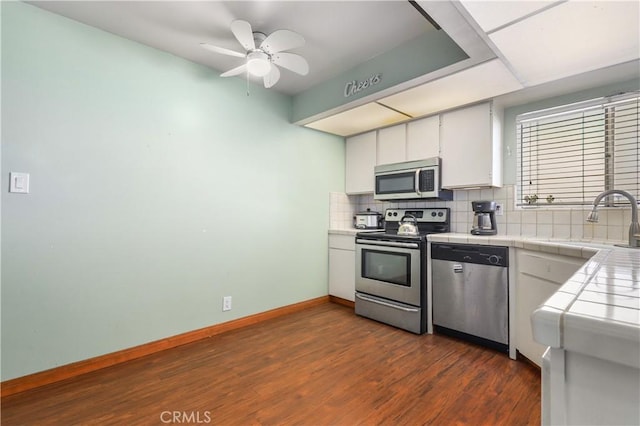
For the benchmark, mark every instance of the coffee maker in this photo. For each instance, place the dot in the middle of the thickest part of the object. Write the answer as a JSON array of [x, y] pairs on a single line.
[[484, 219]]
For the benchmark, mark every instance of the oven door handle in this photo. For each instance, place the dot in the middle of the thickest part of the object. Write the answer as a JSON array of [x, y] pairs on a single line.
[[389, 305], [387, 244]]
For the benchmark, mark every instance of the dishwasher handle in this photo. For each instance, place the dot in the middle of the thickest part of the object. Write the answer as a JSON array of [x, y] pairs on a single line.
[[455, 267]]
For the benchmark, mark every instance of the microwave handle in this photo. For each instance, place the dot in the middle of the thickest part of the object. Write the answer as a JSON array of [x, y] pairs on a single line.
[[417, 182]]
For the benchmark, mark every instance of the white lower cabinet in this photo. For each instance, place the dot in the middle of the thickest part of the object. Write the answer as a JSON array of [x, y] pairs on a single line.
[[578, 389], [342, 266], [539, 275]]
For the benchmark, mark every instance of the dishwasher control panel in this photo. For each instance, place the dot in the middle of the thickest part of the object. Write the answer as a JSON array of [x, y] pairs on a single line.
[[471, 253]]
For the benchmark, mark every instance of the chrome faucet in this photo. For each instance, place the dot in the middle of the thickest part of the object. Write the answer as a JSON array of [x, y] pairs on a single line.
[[634, 228]]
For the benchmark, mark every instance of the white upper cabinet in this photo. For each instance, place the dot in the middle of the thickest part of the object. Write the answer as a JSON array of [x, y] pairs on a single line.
[[360, 161], [392, 145], [468, 140], [423, 138], [471, 147], [415, 140]]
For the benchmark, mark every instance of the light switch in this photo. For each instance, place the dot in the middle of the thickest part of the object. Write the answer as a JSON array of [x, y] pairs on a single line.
[[19, 182]]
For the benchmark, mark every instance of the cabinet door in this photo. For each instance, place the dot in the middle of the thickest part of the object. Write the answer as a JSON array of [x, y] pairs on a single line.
[[539, 277], [360, 161], [531, 292], [423, 138], [342, 273], [392, 144], [466, 147]]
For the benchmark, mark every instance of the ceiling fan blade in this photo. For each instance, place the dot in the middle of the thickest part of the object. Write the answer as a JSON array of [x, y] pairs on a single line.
[[292, 62], [272, 78], [242, 30], [222, 50], [281, 40], [234, 71]]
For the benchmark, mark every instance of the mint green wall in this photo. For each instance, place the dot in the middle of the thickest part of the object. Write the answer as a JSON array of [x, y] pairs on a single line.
[[510, 114], [427, 53], [157, 188]]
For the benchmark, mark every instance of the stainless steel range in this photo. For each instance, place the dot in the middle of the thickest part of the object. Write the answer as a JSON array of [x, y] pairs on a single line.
[[391, 267]]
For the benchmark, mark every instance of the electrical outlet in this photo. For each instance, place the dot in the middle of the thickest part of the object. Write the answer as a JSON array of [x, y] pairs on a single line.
[[499, 210], [226, 303]]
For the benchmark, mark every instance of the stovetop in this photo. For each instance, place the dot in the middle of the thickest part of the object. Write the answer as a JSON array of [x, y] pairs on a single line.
[[429, 221], [390, 236]]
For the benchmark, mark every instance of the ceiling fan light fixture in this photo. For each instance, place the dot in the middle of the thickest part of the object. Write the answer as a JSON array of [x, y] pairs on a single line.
[[258, 63], [263, 55]]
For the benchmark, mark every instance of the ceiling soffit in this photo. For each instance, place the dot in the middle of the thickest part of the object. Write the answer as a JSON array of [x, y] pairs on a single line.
[[531, 44], [316, 104], [474, 84], [428, 53]]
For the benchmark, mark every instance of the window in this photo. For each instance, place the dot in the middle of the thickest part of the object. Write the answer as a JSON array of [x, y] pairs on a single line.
[[568, 155]]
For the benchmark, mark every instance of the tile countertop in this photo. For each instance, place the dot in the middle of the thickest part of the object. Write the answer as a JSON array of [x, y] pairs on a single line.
[[597, 311]]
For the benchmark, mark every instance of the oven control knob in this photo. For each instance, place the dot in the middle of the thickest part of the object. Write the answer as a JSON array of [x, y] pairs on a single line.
[[433, 214], [389, 214], [440, 214], [395, 213], [494, 260]]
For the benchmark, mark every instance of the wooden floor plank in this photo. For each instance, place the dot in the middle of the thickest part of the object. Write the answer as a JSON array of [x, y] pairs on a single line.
[[321, 366]]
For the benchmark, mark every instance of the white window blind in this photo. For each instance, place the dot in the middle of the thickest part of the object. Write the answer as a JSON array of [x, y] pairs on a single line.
[[568, 155]]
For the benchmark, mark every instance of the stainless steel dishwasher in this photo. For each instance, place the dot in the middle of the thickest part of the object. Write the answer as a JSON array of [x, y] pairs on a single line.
[[471, 293]]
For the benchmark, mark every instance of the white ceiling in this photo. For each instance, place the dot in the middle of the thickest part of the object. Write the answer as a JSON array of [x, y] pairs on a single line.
[[489, 18], [515, 47], [339, 34]]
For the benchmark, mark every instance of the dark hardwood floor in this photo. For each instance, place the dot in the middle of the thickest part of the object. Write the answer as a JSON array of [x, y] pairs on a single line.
[[322, 366]]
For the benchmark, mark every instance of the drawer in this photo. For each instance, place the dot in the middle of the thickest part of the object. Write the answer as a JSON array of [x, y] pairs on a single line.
[[343, 242], [557, 269]]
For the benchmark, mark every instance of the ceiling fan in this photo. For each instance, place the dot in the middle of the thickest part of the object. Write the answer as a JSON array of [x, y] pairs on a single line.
[[263, 54]]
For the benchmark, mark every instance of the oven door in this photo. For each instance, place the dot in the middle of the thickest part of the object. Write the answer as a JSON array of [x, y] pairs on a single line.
[[389, 269]]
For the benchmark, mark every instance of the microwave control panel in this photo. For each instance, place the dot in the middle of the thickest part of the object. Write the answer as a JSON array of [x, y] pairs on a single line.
[[427, 180]]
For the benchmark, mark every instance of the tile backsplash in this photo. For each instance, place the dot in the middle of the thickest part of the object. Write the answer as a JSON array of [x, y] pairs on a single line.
[[561, 223], [342, 207]]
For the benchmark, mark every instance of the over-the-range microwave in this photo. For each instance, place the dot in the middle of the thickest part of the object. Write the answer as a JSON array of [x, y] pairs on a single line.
[[410, 180]]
